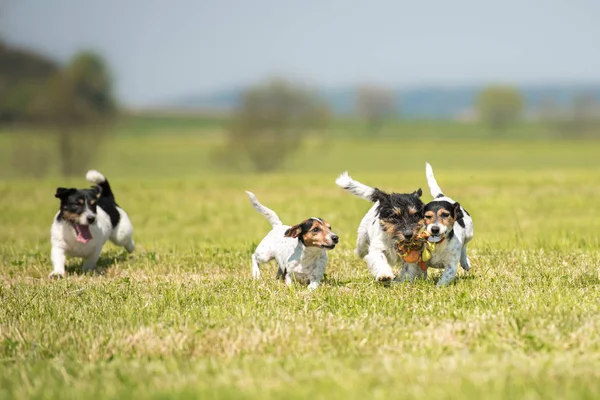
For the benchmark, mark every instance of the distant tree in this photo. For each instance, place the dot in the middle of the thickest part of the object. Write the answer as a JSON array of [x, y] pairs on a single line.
[[22, 73], [500, 106], [580, 118], [270, 124], [77, 102], [375, 105]]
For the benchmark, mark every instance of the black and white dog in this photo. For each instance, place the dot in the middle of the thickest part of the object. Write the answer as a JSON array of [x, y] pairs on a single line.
[[394, 218], [86, 220], [450, 229]]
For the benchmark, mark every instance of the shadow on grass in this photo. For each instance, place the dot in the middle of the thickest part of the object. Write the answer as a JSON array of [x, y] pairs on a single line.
[[103, 265]]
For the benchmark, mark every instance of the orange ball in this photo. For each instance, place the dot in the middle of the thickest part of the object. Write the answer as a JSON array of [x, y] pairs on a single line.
[[412, 256]]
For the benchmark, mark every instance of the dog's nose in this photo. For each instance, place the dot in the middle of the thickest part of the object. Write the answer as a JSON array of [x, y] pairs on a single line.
[[91, 219], [435, 230], [408, 234], [335, 238]]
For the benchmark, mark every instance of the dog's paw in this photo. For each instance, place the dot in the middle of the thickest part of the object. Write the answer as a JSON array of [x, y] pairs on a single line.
[[465, 264], [56, 275], [384, 277]]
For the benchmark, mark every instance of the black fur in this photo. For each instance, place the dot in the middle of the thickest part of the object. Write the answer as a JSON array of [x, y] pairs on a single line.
[[435, 206], [455, 208], [389, 203], [70, 200], [107, 202]]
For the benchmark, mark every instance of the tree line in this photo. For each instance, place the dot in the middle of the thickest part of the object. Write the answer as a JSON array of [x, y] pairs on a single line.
[[75, 105]]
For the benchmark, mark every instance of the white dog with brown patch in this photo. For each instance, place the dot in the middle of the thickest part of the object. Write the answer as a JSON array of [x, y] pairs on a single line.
[[450, 229], [300, 250]]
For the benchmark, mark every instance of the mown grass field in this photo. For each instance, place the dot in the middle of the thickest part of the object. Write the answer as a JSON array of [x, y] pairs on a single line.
[[181, 317]]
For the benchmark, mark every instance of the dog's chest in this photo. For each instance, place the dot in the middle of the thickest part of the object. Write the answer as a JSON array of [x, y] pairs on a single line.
[[445, 254], [63, 235]]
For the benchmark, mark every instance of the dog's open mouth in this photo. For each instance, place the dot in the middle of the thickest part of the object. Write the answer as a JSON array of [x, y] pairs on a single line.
[[434, 238], [323, 246], [83, 233]]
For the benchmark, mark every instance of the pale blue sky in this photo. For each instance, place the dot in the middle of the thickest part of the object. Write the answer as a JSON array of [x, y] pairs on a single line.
[[166, 49]]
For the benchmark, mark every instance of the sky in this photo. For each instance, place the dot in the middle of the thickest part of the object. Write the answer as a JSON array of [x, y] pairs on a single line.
[[164, 50]]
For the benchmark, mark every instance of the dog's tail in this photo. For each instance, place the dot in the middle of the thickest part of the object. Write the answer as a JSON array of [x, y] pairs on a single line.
[[267, 212], [97, 178], [358, 189], [434, 188]]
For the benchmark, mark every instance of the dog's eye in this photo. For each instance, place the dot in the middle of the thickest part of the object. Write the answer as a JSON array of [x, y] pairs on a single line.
[[315, 230], [445, 215], [428, 217]]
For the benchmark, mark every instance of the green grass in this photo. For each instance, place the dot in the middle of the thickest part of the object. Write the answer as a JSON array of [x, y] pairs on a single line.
[[181, 317]]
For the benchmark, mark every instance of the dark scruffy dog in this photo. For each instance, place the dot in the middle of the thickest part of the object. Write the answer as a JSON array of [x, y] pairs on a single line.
[[393, 218], [87, 218]]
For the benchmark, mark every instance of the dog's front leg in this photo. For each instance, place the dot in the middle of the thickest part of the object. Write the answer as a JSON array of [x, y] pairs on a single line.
[[378, 265], [58, 263], [314, 278], [449, 273], [411, 272], [90, 262]]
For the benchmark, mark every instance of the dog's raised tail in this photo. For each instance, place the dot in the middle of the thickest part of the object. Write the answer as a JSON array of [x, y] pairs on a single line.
[[358, 189], [434, 188], [97, 178], [267, 212]]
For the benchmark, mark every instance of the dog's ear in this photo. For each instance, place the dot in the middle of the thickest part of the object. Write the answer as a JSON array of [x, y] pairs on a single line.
[[97, 190], [62, 192], [294, 231], [299, 229], [417, 193], [379, 196], [457, 211]]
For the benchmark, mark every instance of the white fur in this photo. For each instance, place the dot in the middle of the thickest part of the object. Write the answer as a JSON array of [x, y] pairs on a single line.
[[296, 261], [94, 176], [449, 253], [64, 238], [358, 189], [372, 244]]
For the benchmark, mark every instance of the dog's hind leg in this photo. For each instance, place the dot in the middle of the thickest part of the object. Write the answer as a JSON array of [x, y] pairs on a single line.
[[122, 235], [258, 258], [464, 259], [362, 244], [255, 267], [90, 262]]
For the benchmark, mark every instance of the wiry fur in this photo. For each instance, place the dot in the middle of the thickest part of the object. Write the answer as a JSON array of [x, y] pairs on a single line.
[[300, 250], [457, 234], [394, 217], [94, 210]]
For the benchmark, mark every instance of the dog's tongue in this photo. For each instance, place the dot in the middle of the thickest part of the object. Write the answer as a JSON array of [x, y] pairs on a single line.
[[83, 233]]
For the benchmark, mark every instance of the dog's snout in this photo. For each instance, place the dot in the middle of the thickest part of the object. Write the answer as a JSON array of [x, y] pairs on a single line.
[[408, 234], [335, 238], [91, 219], [435, 229]]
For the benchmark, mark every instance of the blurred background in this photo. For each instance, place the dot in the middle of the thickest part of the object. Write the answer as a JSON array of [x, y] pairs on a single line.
[[183, 88]]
